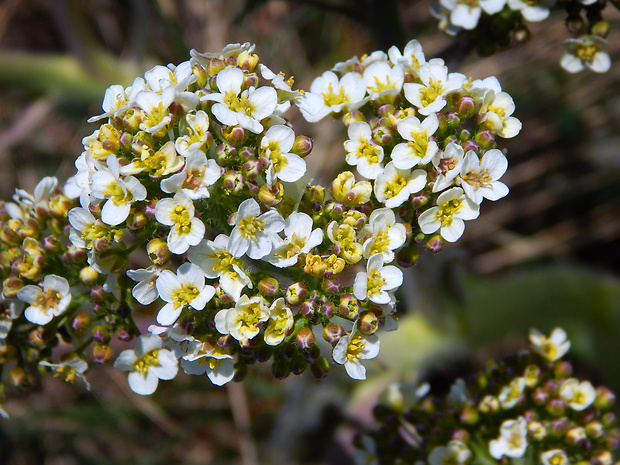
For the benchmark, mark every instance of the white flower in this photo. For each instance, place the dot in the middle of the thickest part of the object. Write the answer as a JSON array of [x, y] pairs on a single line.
[[195, 130], [243, 321], [578, 395], [419, 149], [328, 95], [381, 80], [452, 208], [185, 289], [588, 51], [553, 347], [554, 457], [362, 151], [69, 369], [300, 239], [155, 106], [429, 96], [147, 363], [197, 175], [87, 232], [281, 322], [454, 453], [216, 262], [479, 178], [394, 186], [375, 283], [382, 234], [532, 11], [253, 233], [244, 108], [120, 193], [213, 361], [512, 441], [145, 291], [178, 213], [46, 301], [495, 111], [466, 13], [510, 394], [117, 98], [42, 193], [10, 309], [179, 77], [411, 58], [275, 146], [353, 348]]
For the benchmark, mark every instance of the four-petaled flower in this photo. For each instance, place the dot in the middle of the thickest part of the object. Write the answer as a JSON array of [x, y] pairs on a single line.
[[46, 301], [452, 208], [353, 348], [254, 233]]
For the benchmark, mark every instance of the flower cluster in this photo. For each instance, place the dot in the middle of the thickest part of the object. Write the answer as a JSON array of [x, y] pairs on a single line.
[[189, 200], [528, 408], [492, 23]]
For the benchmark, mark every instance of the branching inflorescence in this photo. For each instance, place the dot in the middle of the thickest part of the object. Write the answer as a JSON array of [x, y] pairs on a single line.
[[528, 408], [189, 199]]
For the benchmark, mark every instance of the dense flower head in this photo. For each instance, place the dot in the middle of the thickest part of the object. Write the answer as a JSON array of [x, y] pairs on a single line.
[[527, 407], [189, 203]]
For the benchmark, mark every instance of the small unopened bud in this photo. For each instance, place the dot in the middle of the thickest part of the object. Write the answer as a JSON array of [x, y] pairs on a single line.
[[521, 34], [102, 353], [563, 369], [80, 322], [157, 250], [601, 457], [489, 404], [17, 377], [101, 334], [302, 146], [465, 107], [314, 194], [327, 309], [485, 139], [556, 407], [280, 369], [349, 306], [233, 182], [559, 426], [304, 338], [273, 196], [419, 200], [434, 243], [251, 169], [268, 286], [595, 429], [333, 332], [540, 396], [296, 293], [201, 75], [536, 430], [215, 66], [308, 308], [576, 436], [575, 24], [124, 333], [88, 276], [352, 117], [470, 145], [251, 80], [263, 353], [10, 287], [331, 286], [605, 399], [368, 323], [407, 256], [600, 28], [320, 368], [298, 365]]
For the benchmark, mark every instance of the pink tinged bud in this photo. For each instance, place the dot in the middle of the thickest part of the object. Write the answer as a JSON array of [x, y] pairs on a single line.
[[470, 145], [273, 196], [11, 286], [461, 435], [233, 182], [609, 419], [595, 429], [466, 107], [601, 457], [382, 135], [353, 117], [252, 169], [434, 243], [452, 120], [559, 426], [419, 199], [302, 146], [563, 369], [556, 407], [536, 430], [314, 194], [268, 286], [308, 308], [124, 333], [331, 286], [296, 293], [576, 436], [349, 306], [224, 153], [407, 256], [540, 396], [101, 334], [605, 399], [237, 135], [102, 353], [304, 338], [320, 368], [368, 323], [327, 309], [333, 332], [250, 80], [215, 66], [252, 187], [485, 140], [334, 210], [80, 322], [201, 75]]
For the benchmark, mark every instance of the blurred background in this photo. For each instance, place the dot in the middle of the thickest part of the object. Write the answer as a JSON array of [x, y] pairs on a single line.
[[547, 255]]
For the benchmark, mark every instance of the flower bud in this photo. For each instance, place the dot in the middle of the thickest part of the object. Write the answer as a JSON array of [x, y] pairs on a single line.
[[251, 80], [80, 322], [470, 145], [601, 457], [489, 404], [407, 256], [215, 66], [576, 436], [225, 152], [51, 245], [352, 117], [605, 399], [556, 407], [268, 286], [465, 107], [247, 60], [308, 308], [521, 34], [280, 369], [10, 287], [263, 353], [304, 338], [302, 146], [368, 323], [17, 377], [563, 369], [314, 194], [102, 353], [298, 365], [382, 135], [540, 396], [88, 276], [296, 293], [333, 332], [201, 75], [485, 140], [327, 309], [251, 169], [320, 368], [233, 182], [124, 333], [595, 429], [312, 354], [273, 196], [600, 28], [101, 334], [559, 426], [575, 24], [434, 243], [536, 430], [349, 306], [331, 286], [157, 250], [419, 199]]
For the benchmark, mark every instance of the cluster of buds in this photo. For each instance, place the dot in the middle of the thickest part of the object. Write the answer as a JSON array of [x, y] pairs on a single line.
[[498, 23], [188, 200], [528, 408]]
